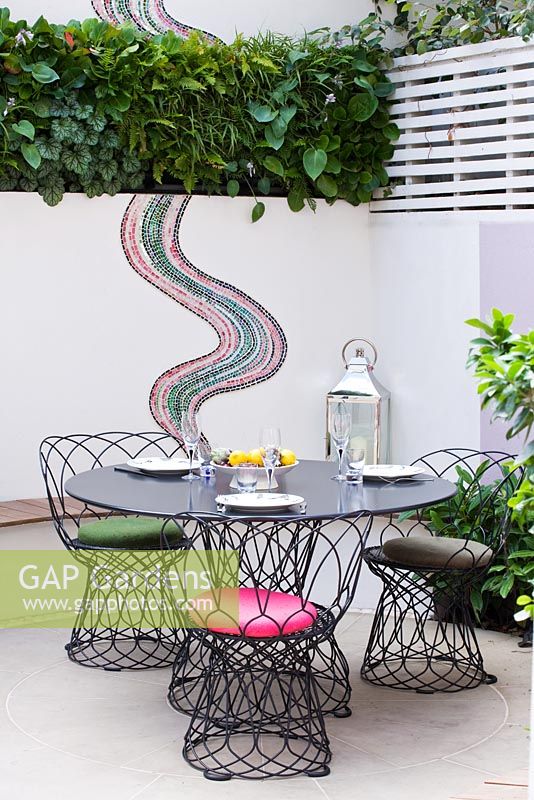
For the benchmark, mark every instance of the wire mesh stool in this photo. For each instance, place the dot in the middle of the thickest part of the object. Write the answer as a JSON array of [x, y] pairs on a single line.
[[257, 688], [93, 642], [423, 634]]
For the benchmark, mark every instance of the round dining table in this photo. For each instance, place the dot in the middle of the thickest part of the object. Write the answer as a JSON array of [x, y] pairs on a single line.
[[125, 489], [312, 548]]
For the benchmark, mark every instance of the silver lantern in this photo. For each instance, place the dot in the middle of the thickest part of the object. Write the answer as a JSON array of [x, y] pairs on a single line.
[[368, 402]]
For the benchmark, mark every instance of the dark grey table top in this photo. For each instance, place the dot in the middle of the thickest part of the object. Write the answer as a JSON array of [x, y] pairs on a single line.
[[326, 499]]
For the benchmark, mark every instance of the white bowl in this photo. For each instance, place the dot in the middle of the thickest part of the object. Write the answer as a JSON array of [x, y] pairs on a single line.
[[262, 476]]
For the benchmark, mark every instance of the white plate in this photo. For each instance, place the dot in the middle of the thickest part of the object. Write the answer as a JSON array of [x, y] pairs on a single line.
[[259, 501], [162, 466], [390, 471]]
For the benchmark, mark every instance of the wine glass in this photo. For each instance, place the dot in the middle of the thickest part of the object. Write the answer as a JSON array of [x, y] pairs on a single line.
[[270, 442], [340, 427], [191, 432]]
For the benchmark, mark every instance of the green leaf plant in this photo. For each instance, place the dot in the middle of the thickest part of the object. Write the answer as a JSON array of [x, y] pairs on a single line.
[[304, 117], [526, 606], [421, 27], [89, 107], [424, 27], [503, 363], [494, 596]]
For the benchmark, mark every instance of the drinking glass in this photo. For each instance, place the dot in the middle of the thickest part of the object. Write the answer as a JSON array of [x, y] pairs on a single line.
[[340, 426], [270, 442], [355, 464], [191, 432], [204, 456], [247, 478]]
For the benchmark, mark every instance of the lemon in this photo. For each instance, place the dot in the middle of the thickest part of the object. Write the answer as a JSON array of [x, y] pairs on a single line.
[[255, 457], [236, 458], [287, 458]]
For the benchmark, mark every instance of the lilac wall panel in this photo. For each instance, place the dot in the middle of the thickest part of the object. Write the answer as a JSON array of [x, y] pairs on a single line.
[[507, 283]]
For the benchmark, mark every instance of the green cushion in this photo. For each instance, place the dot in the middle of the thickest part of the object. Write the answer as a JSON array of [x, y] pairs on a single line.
[[436, 551], [128, 532]]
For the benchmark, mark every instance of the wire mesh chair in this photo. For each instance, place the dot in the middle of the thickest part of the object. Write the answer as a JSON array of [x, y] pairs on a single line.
[[93, 642], [257, 684], [423, 636]]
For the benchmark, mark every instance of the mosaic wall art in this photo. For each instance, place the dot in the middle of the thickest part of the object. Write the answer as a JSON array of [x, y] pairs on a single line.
[[147, 15], [252, 346]]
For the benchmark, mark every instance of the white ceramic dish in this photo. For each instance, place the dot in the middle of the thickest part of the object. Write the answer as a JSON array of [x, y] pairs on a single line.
[[277, 470], [262, 475], [390, 472], [162, 466], [259, 501]]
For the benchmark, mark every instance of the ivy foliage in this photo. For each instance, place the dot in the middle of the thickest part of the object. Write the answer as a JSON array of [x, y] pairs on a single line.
[[100, 109], [426, 27], [420, 27]]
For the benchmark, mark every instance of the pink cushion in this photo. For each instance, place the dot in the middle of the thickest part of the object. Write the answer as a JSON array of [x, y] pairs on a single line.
[[262, 614]]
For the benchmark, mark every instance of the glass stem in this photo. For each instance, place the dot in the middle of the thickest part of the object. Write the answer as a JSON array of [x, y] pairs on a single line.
[[340, 452], [191, 451], [270, 477]]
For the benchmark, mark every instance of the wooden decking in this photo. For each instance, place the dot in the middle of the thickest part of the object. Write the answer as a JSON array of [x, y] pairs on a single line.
[[511, 787], [23, 512]]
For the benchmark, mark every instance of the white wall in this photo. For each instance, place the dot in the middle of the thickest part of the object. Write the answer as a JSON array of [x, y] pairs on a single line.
[[223, 19], [424, 285], [72, 359], [425, 282], [84, 337]]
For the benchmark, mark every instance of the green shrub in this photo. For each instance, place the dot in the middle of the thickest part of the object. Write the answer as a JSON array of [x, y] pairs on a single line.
[[504, 367]]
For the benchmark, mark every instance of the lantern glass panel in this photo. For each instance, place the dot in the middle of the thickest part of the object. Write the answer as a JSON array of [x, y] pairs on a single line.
[[365, 433], [364, 427], [368, 402]]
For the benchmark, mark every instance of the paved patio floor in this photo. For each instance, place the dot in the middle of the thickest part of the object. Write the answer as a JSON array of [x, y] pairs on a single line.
[[70, 731]]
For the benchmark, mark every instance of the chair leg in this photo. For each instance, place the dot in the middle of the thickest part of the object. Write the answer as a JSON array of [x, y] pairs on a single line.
[[113, 646], [188, 675], [409, 649], [328, 664], [332, 677], [258, 712]]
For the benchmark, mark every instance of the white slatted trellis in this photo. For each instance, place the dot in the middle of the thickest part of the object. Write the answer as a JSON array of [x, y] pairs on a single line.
[[466, 117]]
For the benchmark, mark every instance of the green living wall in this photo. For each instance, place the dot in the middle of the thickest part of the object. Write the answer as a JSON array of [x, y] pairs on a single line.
[[88, 107]]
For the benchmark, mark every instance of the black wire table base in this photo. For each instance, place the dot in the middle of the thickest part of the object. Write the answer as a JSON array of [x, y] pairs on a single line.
[[423, 637], [256, 712]]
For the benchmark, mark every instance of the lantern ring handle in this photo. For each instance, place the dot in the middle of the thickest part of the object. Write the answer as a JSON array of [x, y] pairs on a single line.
[[351, 341]]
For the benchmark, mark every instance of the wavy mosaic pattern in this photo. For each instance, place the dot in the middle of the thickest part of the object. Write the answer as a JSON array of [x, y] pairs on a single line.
[[252, 346], [147, 15]]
